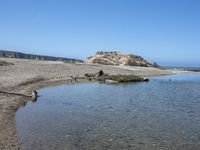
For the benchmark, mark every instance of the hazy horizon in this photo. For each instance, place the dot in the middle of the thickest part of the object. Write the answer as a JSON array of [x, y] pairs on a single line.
[[166, 32]]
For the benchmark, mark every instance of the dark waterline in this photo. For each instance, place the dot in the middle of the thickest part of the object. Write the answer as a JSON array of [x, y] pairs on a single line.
[[153, 116]]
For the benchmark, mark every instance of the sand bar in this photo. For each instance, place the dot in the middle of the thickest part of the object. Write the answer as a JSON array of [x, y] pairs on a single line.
[[28, 75]]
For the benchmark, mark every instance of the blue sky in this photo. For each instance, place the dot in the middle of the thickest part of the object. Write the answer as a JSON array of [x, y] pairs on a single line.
[[165, 31]]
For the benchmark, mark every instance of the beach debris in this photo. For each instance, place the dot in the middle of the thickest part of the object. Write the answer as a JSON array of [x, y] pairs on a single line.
[[146, 79], [34, 94], [75, 78]]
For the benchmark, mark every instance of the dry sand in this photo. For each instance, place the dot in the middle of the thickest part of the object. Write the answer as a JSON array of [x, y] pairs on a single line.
[[28, 75]]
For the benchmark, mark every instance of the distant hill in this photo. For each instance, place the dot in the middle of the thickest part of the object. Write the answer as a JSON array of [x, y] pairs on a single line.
[[13, 54], [117, 58]]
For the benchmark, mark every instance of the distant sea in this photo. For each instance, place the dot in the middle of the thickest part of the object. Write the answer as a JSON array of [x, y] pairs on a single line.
[[179, 67], [184, 67]]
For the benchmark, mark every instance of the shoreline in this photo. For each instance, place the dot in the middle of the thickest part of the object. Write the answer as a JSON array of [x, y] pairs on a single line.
[[8, 133], [26, 76]]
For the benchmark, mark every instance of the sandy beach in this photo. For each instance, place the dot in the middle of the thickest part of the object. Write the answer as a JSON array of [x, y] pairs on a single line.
[[27, 75]]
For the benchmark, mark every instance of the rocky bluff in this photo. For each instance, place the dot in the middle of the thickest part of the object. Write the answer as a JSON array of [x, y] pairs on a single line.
[[117, 58]]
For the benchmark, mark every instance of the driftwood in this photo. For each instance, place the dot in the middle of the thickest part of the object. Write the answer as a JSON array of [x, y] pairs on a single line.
[[75, 78]]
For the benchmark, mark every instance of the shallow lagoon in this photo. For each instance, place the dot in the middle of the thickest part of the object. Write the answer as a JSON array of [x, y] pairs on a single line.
[[150, 115]]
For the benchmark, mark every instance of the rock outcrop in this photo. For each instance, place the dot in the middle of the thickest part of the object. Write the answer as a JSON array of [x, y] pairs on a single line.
[[117, 58], [120, 78]]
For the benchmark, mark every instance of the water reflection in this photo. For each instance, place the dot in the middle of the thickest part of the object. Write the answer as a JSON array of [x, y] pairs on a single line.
[[34, 99]]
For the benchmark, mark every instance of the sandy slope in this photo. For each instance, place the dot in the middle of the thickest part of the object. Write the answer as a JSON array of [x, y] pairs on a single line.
[[27, 75]]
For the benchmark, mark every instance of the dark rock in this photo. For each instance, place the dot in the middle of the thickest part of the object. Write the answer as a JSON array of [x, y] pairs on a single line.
[[146, 79], [101, 73]]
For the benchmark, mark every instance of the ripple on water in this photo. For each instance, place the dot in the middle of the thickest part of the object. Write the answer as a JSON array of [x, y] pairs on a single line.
[[154, 115]]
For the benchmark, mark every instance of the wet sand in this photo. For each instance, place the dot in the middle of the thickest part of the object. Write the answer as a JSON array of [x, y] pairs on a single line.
[[27, 75]]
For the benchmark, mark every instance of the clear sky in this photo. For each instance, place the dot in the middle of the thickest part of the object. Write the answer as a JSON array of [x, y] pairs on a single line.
[[165, 31]]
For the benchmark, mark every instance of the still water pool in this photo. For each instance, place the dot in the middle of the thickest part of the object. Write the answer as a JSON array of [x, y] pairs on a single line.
[[151, 115]]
